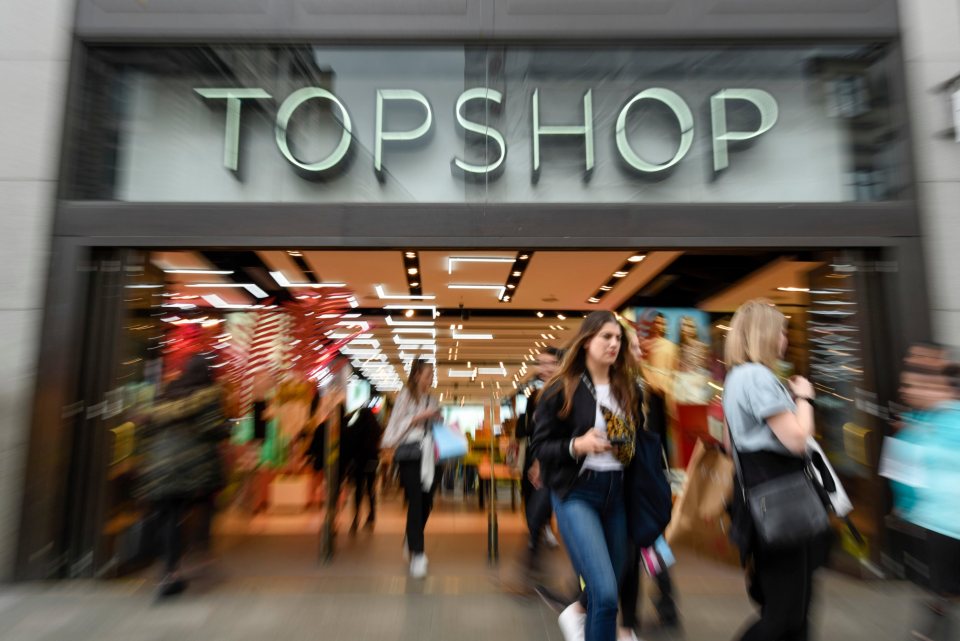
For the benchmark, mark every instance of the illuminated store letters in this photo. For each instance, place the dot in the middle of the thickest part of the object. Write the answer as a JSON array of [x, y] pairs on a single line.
[[289, 106], [231, 139], [413, 134], [684, 116], [482, 93], [585, 130], [764, 103]]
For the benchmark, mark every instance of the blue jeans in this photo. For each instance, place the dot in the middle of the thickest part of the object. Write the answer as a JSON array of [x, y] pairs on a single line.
[[593, 522]]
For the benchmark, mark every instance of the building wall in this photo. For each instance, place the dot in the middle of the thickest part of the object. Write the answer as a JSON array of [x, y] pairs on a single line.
[[931, 37], [34, 52]]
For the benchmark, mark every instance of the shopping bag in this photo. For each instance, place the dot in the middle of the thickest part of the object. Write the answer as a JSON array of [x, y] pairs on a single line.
[[448, 443], [706, 492]]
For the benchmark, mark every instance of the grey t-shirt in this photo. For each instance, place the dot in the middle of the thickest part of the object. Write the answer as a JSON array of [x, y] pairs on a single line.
[[751, 395]]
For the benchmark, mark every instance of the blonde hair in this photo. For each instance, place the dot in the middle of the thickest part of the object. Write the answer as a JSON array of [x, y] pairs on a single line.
[[754, 335]]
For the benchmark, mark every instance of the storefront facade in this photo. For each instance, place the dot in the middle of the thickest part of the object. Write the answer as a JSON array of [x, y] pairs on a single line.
[[318, 125]]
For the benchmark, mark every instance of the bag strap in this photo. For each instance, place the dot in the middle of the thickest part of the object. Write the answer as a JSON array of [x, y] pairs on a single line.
[[735, 455]]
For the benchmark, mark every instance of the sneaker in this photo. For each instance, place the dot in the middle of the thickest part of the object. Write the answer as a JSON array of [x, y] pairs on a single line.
[[572, 622], [550, 539], [418, 566]]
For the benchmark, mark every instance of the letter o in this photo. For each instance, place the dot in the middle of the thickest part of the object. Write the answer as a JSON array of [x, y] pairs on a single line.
[[680, 109], [290, 105]]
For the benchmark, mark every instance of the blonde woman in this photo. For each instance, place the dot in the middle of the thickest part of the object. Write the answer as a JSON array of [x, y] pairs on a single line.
[[770, 425]]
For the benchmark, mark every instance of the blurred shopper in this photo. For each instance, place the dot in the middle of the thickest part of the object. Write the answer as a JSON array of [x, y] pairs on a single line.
[[586, 427], [927, 488], [181, 463], [535, 495], [659, 366], [630, 590], [769, 427], [360, 445], [409, 433]]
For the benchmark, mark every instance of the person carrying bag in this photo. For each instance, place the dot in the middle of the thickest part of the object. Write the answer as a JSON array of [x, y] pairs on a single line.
[[408, 431], [779, 519]]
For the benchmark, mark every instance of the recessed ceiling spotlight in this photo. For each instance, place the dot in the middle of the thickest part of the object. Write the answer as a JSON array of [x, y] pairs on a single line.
[[511, 286], [408, 313], [593, 300], [517, 273], [412, 271], [523, 256], [539, 314], [294, 253], [561, 317], [605, 288], [414, 284], [636, 258], [619, 274], [411, 255]]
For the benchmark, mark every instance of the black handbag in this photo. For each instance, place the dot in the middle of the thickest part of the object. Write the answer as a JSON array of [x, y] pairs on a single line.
[[786, 511], [408, 452]]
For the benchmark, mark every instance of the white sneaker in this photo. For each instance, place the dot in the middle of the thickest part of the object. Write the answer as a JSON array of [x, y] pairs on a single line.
[[550, 539], [572, 622], [418, 566]]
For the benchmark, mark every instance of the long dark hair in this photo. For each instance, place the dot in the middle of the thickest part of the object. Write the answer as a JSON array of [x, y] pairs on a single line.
[[574, 364], [415, 369], [195, 376]]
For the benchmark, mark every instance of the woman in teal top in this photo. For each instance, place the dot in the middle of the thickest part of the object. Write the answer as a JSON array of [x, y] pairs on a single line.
[[930, 384]]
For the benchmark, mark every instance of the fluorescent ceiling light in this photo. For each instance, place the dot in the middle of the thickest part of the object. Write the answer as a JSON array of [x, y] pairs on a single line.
[[500, 289], [461, 373], [144, 286], [476, 259], [250, 287], [793, 289], [283, 282], [383, 295], [405, 323], [472, 337], [495, 371], [224, 272], [415, 330], [219, 303]]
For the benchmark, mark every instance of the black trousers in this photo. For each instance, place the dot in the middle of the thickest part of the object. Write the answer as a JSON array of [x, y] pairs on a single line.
[[419, 504], [631, 590], [538, 512], [364, 482], [782, 584], [170, 515]]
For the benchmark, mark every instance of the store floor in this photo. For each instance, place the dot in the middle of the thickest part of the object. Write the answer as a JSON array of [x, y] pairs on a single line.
[[267, 584]]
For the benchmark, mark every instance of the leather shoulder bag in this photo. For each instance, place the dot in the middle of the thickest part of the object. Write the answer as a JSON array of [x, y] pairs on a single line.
[[787, 511]]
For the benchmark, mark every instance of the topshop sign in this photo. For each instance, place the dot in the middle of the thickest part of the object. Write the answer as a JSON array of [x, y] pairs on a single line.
[[763, 105]]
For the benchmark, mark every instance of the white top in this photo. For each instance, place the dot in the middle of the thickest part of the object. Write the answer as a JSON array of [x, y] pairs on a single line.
[[605, 462]]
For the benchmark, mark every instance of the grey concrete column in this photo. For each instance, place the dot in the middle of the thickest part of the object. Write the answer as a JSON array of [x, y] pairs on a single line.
[[34, 48], [931, 38]]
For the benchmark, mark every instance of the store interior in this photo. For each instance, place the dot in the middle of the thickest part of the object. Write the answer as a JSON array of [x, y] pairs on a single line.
[[305, 332]]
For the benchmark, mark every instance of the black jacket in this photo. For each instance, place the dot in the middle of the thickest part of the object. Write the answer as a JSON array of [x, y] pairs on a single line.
[[551, 444]]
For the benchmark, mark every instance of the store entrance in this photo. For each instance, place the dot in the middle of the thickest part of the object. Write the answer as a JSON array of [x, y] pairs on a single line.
[[304, 341]]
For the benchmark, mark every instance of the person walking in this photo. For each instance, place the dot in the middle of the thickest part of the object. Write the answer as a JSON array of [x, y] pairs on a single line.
[[927, 495], [536, 496], [408, 432], [586, 429], [769, 427], [360, 440], [180, 460]]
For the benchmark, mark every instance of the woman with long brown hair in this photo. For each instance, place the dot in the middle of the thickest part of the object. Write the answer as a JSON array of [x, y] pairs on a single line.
[[585, 434], [408, 431]]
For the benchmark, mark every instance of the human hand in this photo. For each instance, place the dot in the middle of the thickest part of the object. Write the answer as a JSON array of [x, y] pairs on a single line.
[[593, 442], [800, 386], [533, 475]]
